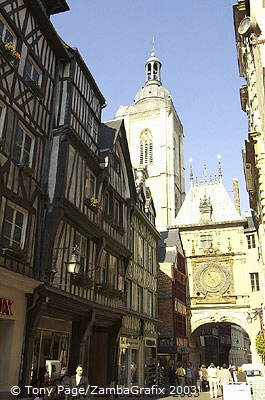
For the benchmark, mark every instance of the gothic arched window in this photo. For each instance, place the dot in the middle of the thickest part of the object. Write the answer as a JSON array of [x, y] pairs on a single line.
[[146, 147]]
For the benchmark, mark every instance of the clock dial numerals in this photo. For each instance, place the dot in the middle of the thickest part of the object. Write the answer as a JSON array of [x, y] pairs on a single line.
[[212, 279]]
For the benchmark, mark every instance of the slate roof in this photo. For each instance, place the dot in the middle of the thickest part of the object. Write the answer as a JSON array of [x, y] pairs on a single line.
[[223, 207]]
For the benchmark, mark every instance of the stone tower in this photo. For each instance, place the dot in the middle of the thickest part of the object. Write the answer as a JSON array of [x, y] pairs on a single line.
[[155, 137]]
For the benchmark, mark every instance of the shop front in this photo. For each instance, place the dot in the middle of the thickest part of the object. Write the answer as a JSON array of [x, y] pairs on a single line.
[[150, 353], [50, 351], [166, 355], [130, 361], [13, 306]]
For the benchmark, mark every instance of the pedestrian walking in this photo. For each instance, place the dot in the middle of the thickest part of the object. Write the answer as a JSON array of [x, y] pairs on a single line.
[[181, 373], [212, 377], [189, 374], [225, 376], [204, 378], [171, 373], [78, 381]]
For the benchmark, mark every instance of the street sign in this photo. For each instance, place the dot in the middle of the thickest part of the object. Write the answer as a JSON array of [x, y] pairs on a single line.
[[236, 391]]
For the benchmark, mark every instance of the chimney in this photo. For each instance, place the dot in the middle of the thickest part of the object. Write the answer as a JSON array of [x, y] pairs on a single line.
[[236, 195]]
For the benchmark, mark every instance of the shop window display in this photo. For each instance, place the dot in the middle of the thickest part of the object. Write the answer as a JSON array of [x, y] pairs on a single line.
[[150, 366], [50, 357]]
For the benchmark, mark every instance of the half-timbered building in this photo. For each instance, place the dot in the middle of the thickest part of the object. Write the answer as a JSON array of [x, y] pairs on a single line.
[[29, 54], [74, 285], [138, 339]]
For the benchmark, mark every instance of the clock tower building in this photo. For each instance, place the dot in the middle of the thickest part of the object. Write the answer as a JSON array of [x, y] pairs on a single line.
[[155, 138], [224, 267]]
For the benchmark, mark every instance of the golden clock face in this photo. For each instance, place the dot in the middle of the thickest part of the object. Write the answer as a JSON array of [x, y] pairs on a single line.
[[212, 278]]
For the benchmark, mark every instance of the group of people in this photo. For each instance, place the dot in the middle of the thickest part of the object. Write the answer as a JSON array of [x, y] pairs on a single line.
[[211, 378], [216, 377], [182, 375]]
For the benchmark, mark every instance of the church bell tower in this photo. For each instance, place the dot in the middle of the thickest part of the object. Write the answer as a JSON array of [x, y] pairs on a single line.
[[155, 138]]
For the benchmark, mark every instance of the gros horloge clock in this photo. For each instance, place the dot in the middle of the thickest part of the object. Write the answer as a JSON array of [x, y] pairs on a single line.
[[213, 278]]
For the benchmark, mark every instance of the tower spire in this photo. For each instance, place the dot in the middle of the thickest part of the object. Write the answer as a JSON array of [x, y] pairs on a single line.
[[153, 68], [220, 172], [191, 172], [153, 53]]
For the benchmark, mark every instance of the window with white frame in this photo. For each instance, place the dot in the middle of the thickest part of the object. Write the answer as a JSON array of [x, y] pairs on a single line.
[[6, 34], [24, 144], [14, 226], [81, 247], [109, 270], [146, 147], [90, 184], [251, 241], [2, 118], [113, 271], [254, 281], [31, 71]]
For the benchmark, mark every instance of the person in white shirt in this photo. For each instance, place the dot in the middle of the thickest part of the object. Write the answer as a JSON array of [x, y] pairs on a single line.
[[225, 376], [213, 380]]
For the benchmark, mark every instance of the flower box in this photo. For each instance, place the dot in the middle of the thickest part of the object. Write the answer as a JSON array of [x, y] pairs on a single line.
[[38, 90], [11, 54], [93, 203], [83, 281], [108, 291]]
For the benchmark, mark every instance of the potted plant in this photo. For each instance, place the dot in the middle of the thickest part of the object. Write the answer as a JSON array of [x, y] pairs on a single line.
[[83, 280], [107, 290], [11, 53], [93, 203]]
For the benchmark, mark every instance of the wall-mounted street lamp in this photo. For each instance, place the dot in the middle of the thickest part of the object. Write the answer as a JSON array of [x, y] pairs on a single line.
[[73, 265], [253, 315]]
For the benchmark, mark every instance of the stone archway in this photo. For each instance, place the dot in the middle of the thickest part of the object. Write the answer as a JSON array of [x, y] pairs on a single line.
[[221, 318]]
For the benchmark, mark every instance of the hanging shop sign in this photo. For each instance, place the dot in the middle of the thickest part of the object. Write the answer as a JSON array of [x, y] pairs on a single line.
[[150, 342], [129, 342], [6, 306]]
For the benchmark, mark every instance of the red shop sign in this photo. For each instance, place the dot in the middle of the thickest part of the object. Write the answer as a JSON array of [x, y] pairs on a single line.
[[6, 306]]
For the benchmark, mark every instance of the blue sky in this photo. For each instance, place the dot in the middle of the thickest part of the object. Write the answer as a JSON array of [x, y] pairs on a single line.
[[196, 44]]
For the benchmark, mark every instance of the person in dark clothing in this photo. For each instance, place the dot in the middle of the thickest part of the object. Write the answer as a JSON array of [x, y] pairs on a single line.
[[77, 382], [171, 375]]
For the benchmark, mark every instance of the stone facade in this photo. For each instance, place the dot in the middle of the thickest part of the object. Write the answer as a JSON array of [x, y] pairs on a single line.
[[249, 23], [224, 267]]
